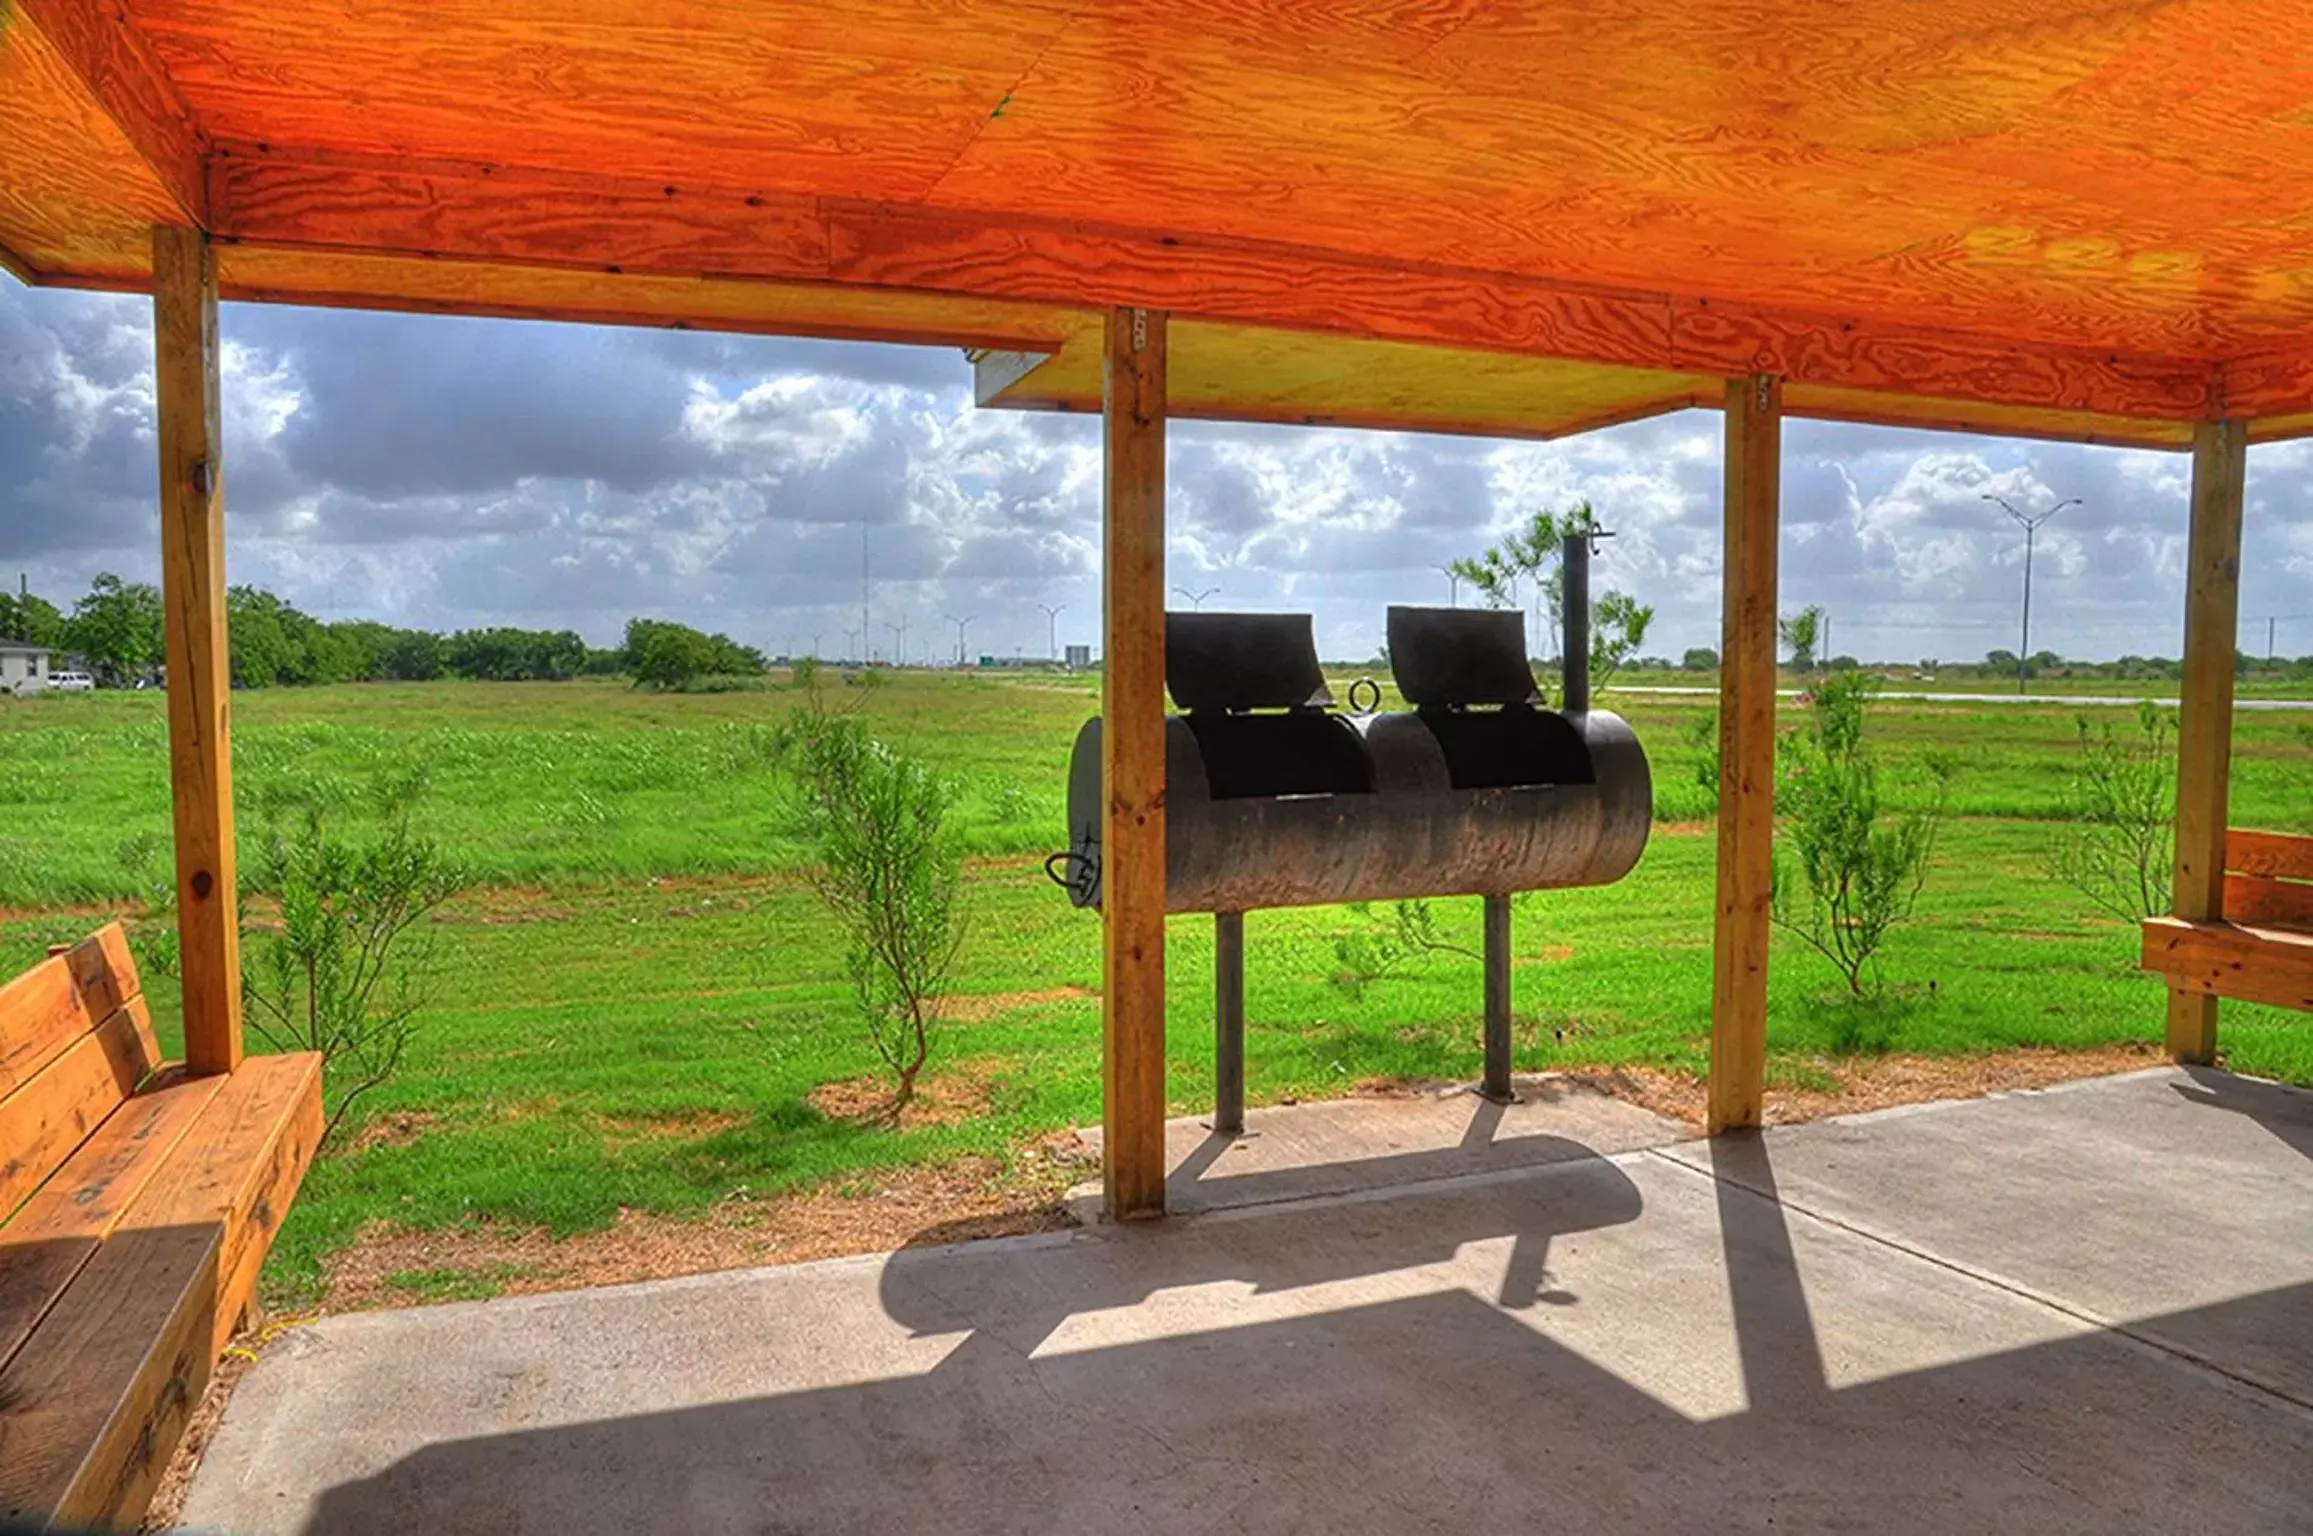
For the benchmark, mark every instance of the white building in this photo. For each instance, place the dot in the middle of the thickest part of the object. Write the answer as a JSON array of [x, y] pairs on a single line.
[[23, 668]]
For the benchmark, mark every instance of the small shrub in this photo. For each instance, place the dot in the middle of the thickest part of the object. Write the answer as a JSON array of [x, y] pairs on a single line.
[[2119, 849], [1853, 871], [1012, 804], [345, 971], [1383, 947], [891, 874]]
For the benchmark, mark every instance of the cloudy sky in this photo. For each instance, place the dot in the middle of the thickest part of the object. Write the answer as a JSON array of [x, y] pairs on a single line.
[[451, 473]]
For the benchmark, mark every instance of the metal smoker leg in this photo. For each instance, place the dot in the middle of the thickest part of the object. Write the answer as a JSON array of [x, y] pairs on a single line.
[[1497, 1084], [1229, 1022]]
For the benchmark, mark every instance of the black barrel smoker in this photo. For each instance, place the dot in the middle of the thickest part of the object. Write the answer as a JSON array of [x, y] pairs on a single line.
[[1273, 798]]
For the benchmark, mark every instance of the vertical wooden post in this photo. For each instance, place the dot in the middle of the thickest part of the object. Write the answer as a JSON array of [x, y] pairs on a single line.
[[1746, 754], [2205, 723], [1132, 992], [186, 380]]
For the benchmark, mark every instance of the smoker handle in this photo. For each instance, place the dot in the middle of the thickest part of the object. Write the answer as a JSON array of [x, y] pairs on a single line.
[[1373, 703], [1084, 869]]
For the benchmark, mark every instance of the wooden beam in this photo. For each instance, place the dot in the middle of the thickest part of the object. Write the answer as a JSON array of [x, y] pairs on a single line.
[[101, 44], [273, 198], [185, 370], [2205, 711], [1132, 994], [2268, 384], [1746, 754]]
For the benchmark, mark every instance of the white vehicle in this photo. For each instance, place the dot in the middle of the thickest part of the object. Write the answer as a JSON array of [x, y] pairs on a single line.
[[71, 682]]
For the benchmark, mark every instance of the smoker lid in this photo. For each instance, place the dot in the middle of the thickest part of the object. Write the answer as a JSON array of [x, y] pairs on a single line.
[[1233, 661], [1460, 656]]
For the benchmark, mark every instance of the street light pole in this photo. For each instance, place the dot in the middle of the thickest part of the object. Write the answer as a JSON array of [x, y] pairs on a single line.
[[1052, 613], [2031, 524]]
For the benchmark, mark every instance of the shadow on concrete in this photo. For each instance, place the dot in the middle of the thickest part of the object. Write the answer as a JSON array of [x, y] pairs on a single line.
[[2285, 1111], [1430, 1407]]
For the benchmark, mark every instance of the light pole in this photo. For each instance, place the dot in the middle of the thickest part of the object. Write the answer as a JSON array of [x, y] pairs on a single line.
[[1052, 613], [1197, 599], [961, 625], [2031, 526]]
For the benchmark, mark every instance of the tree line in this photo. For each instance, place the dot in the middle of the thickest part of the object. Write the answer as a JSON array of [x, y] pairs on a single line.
[[116, 632]]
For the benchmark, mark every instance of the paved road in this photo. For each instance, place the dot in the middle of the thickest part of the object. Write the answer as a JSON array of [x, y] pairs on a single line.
[[2075, 699]]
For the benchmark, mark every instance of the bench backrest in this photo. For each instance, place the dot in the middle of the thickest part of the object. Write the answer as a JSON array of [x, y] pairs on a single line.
[[75, 1040], [2269, 879]]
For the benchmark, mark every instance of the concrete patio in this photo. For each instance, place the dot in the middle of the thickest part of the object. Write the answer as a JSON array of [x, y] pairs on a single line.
[[2088, 1309]]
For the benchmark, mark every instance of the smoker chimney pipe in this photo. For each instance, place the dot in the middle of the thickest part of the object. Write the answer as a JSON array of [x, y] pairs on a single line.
[[1574, 606]]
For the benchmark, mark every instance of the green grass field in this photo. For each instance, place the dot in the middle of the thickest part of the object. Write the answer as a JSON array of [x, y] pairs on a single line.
[[639, 995]]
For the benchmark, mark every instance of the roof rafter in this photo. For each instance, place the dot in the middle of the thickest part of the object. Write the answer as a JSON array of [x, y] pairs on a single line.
[[102, 46]]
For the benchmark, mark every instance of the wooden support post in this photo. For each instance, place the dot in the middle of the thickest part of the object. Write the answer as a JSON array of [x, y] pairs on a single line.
[[2205, 723], [1132, 991], [1746, 754], [186, 374]]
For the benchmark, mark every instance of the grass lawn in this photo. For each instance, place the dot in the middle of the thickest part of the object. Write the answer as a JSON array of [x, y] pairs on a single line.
[[639, 998]]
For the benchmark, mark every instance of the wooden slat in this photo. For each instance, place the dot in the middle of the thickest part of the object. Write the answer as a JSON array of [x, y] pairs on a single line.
[[93, 1406], [2212, 960], [56, 1231], [43, 1122], [2205, 711], [2266, 903], [1133, 770], [186, 371], [1746, 754], [49, 1006], [2274, 855], [240, 1165]]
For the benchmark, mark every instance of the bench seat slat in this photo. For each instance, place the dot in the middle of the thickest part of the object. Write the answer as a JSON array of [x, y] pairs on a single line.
[[98, 1398], [2274, 855], [2262, 903], [2257, 965], [239, 1166], [56, 1231], [46, 1118]]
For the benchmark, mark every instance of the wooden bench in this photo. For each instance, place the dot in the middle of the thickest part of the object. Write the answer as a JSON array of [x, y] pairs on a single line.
[[136, 1205], [2261, 950]]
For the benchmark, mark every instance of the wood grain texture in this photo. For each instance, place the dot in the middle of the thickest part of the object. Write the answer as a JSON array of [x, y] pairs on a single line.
[[2221, 959], [101, 44], [2275, 855], [46, 1119], [46, 1243], [2205, 712], [239, 1167], [363, 280], [93, 1406], [1737, 1089], [1132, 995], [2262, 903], [191, 437], [41, 1013]]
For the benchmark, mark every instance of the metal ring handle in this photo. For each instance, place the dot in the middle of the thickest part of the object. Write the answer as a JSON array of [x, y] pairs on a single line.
[[1374, 692]]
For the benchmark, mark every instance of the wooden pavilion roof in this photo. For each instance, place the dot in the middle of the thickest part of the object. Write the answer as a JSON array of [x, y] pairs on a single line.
[[2078, 218]]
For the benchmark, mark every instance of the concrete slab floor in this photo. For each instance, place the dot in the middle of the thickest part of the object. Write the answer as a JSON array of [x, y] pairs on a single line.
[[2085, 1309]]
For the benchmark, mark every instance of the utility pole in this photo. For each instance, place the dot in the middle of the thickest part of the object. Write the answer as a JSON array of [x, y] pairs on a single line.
[[1052, 613], [1197, 599], [2031, 526], [961, 625]]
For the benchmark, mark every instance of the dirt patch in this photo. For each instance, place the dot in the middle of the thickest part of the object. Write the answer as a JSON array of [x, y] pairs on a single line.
[[622, 1131], [1864, 1083], [960, 1093], [395, 1128], [980, 1009], [968, 1198]]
